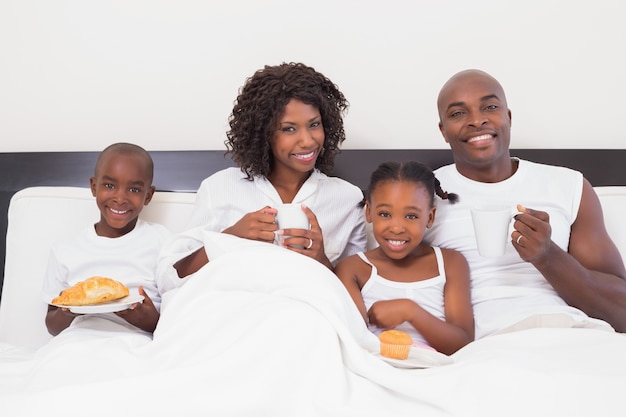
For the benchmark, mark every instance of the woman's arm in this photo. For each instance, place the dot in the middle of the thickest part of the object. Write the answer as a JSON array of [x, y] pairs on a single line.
[[348, 270], [191, 263]]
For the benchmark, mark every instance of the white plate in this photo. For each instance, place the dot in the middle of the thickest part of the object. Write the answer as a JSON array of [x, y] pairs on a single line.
[[108, 307], [419, 358]]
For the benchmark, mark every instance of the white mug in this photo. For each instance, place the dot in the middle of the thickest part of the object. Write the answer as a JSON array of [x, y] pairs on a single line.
[[491, 228], [291, 216]]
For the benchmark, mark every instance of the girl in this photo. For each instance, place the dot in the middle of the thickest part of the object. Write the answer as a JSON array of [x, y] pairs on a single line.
[[403, 283]]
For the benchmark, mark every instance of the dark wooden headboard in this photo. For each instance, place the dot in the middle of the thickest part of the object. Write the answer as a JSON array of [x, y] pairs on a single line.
[[184, 170]]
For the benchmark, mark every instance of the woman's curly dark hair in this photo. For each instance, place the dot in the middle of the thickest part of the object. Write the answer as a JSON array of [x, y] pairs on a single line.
[[261, 103]]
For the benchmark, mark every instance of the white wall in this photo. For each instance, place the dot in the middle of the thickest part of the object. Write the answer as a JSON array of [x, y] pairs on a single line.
[[80, 74]]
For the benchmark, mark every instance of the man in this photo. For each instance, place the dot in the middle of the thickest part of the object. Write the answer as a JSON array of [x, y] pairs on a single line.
[[560, 268]]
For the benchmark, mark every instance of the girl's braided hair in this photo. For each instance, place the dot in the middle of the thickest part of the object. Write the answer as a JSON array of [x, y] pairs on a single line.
[[411, 171]]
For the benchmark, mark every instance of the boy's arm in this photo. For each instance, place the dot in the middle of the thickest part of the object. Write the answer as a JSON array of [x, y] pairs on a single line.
[[55, 281], [142, 315], [58, 319]]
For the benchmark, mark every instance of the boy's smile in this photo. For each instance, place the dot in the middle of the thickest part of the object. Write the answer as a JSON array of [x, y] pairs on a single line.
[[122, 187]]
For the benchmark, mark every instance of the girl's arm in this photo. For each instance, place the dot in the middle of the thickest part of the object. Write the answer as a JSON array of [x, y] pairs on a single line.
[[458, 329], [446, 336], [457, 297]]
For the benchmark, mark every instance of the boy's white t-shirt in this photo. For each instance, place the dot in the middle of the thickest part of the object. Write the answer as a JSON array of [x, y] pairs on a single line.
[[130, 259]]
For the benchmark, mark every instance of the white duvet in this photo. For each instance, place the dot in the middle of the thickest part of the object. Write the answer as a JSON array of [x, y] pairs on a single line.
[[262, 331]]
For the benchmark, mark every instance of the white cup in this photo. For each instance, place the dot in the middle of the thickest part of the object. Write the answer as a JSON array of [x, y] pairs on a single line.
[[491, 228], [291, 216]]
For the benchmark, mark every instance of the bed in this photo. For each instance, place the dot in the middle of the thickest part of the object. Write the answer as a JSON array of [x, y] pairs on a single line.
[[256, 338]]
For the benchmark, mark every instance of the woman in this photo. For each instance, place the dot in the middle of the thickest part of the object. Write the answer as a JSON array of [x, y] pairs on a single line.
[[285, 131]]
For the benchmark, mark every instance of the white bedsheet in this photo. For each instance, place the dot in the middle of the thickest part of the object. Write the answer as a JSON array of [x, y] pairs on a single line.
[[262, 331]]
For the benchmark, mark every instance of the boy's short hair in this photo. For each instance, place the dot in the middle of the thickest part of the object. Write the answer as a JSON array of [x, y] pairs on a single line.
[[125, 148]]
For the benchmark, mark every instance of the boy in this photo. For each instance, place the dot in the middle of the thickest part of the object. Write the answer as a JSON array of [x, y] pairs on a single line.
[[118, 246]]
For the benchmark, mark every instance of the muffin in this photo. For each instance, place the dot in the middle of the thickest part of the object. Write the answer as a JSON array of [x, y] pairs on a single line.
[[395, 344]]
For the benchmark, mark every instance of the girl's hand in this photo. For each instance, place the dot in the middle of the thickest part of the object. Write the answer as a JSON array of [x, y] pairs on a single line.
[[306, 242], [388, 314], [258, 225]]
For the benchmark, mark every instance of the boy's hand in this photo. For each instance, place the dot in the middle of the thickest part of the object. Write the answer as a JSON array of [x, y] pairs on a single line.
[[65, 311], [58, 319], [143, 315]]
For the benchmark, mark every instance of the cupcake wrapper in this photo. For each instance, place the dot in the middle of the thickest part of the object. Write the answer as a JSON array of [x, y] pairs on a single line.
[[395, 351]]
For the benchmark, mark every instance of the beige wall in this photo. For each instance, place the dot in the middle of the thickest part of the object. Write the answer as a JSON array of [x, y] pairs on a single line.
[[80, 74]]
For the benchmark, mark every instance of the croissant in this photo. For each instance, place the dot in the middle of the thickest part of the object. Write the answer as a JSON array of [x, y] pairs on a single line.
[[93, 290]]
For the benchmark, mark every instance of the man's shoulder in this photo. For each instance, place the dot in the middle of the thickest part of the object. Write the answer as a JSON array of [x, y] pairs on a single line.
[[445, 168], [445, 171], [530, 167], [542, 169]]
